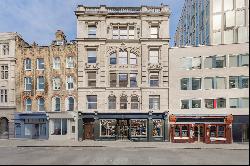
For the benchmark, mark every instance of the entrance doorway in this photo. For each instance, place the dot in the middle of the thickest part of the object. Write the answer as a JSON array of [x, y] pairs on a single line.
[[88, 127], [199, 130], [122, 129], [4, 128]]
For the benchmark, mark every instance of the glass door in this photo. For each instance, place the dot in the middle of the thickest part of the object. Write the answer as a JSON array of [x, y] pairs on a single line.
[[122, 132]]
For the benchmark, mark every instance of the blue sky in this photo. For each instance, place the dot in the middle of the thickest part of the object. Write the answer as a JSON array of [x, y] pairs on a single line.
[[38, 20]]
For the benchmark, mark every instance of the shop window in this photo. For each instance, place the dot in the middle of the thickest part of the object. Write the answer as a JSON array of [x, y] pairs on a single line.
[[91, 31], [40, 64], [138, 127], [28, 104], [184, 104], [112, 102], [27, 64], [70, 83], [213, 131], [91, 55], [133, 60], [157, 128], [27, 129], [177, 131], [123, 57], [123, 80], [221, 131], [92, 101], [4, 72], [3, 96], [56, 63], [133, 80], [123, 102], [40, 83], [134, 102], [108, 127], [92, 79], [184, 131], [154, 102], [112, 59], [56, 83], [112, 79], [40, 103], [59, 126], [154, 79], [154, 56], [69, 62]]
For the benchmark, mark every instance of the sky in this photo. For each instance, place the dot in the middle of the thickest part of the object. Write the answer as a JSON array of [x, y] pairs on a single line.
[[38, 20]]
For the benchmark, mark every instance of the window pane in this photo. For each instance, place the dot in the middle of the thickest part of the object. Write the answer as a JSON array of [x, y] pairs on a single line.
[[228, 5], [184, 84], [243, 34], [220, 61], [184, 104], [234, 103], [186, 63], [221, 103], [184, 130], [138, 127], [208, 83], [217, 38], [233, 82], [244, 82], [133, 80], [113, 58], [108, 127], [177, 131], [217, 6], [64, 126], [196, 63], [123, 80], [233, 60], [217, 22], [131, 32], [123, 57], [240, 3], [221, 82], [91, 56], [112, 102], [230, 18], [92, 31], [196, 103], [208, 62], [196, 83], [123, 33], [240, 18], [57, 127], [154, 102], [133, 59], [221, 131], [154, 56], [157, 128], [209, 103], [228, 36], [213, 131], [245, 103], [123, 102], [112, 79]]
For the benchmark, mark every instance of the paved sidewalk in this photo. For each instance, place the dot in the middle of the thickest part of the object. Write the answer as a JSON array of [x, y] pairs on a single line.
[[127, 144]]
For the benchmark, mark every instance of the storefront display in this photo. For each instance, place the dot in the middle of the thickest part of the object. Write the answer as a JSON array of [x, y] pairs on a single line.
[[138, 127], [108, 127]]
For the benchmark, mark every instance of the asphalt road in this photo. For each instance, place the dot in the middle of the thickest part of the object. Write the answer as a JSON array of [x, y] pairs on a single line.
[[117, 156]]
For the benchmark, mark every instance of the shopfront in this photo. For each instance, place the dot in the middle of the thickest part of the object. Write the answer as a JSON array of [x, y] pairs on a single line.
[[240, 128], [201, 128], [129, 126], [31, 125]]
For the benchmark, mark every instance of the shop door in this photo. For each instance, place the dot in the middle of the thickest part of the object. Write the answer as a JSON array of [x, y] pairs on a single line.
[[122, 129], [36, 131], [199, 131], [88, 131]]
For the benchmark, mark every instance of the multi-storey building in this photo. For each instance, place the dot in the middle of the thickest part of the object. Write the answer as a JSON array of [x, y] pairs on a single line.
[[209, 93], [212, 22], [47, 90], [123, 72], [9, 43]]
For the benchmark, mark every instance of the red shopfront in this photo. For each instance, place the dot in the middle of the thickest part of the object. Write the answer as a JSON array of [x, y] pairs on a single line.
[[206, 129]]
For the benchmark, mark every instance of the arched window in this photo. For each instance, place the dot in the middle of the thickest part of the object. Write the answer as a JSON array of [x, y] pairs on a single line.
[[134, 102], [123, 102], [113, 58], [40, 104], [123, 57], [56, 104], [27, 64], [133, 60], [70, 104], [112, 102], [28, 104]]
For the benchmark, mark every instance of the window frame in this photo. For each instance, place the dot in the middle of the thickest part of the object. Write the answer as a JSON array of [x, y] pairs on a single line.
[[38, 63]]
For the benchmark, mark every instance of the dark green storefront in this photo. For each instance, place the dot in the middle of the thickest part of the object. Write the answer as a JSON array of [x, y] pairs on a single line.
[[123, 126]]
